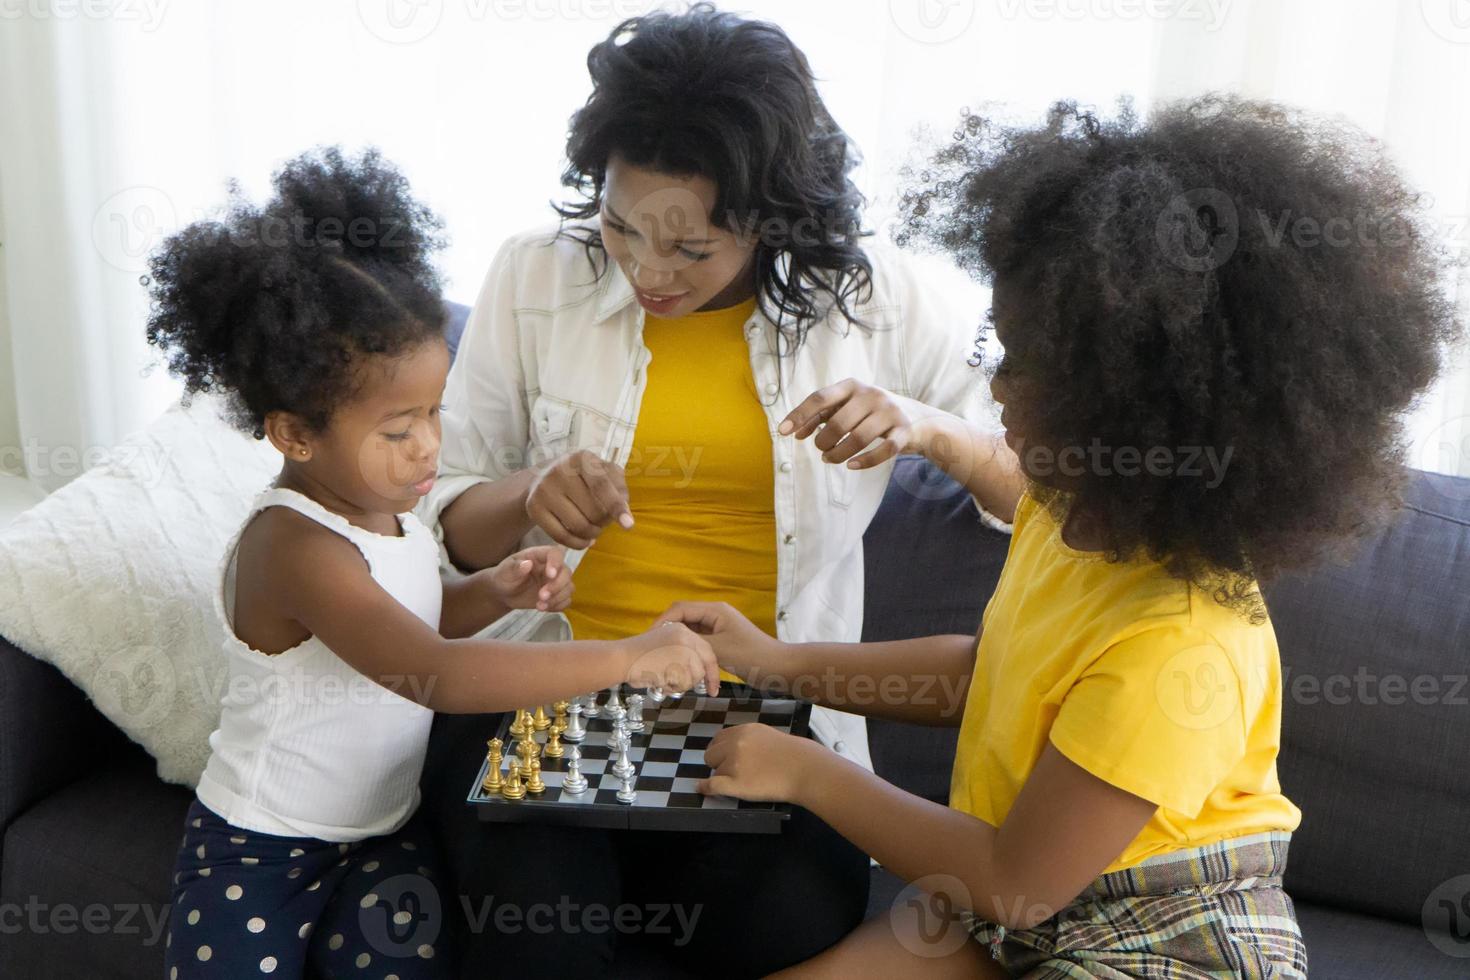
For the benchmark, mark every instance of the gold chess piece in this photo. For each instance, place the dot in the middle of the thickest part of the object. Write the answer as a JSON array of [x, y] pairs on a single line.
[[541, 721], [511, 788], [554, 749], [520, 726], [534, 783], [560, 718], [528, 750], [493, 781]]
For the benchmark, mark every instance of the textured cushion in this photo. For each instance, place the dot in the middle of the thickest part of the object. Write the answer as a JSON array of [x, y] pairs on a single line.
[[1380, 773], [109, 578]]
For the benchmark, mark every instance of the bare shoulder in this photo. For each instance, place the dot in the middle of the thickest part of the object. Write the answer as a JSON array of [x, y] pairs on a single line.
[[284, 559]]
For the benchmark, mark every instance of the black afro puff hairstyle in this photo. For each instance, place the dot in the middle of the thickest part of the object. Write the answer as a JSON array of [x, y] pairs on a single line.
[[1229, 274], [276, 306]]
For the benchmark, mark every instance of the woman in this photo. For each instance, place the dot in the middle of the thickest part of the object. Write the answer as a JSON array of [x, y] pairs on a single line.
[[620, 389]]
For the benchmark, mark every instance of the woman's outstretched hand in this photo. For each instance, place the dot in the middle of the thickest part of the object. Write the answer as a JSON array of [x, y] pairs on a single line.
[[576, 496], [848, 417]]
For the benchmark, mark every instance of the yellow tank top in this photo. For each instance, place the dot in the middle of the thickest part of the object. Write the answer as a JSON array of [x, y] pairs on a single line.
[[700, 485]]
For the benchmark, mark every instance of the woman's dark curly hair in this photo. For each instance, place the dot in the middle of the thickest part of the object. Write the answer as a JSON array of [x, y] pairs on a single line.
[[277, 305], [710, 94], [1230, 275]]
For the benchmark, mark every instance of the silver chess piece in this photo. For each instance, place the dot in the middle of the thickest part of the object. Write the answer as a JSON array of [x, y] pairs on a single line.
[[623, 766], [612, 700], [656, 694], [625, 790], [574, 782], [701, 688], [635, 713], [619, 732], [576, 730], [591, 708]]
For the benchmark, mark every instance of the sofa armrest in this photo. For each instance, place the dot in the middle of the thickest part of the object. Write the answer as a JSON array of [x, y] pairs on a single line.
[[50, 734]]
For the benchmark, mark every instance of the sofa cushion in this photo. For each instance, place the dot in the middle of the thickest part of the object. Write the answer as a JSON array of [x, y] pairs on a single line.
[[1376, 720], [88, 868]]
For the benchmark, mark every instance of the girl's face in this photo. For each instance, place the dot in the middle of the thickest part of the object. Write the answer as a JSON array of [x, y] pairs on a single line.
[[1008, 388], [380, 452], [657, 228]]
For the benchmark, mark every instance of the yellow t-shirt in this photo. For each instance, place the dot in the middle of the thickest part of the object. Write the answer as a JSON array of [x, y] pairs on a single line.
[[701, 486], [1141, 679]]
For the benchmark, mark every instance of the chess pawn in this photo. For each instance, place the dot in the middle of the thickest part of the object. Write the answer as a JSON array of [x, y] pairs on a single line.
[[534, 783], [576, 731], [656, 694], [590, 707], [559, 716], [554, 748], [574, 782], [519, 726], [511, 787], [612, 700], [492, 767], [625, 790], [701, 688], [540, 720]]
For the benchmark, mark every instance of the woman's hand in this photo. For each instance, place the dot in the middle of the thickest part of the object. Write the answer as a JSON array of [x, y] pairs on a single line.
[[757, 762], [536, 578], [739, 644], [848, 417], [576, 496], [672, 657]]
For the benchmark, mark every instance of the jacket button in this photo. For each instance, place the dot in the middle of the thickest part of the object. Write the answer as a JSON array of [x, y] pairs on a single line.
[[790, 538], [839, 746], [785, 466], [772, 388], [781, 614]]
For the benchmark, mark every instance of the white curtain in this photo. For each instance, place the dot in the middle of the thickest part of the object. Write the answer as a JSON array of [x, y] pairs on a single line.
[[121, 120]]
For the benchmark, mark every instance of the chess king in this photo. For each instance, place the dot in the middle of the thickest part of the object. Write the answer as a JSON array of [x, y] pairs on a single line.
[[735, 257]]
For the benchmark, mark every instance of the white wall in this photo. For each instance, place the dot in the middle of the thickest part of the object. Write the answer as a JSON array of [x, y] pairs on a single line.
[[10, 458]]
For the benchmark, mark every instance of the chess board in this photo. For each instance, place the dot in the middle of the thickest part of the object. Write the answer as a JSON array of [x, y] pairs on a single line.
[[669, 758]]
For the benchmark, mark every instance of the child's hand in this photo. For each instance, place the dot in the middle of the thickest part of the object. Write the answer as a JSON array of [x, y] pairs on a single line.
[[739, 644], [757, 762], [860, 412], [672, 657], [536, 578]]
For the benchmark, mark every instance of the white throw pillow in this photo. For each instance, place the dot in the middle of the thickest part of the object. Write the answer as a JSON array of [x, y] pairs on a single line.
[[110, 578]]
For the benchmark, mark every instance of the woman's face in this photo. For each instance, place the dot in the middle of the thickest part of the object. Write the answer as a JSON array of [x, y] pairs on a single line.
[[657, 228]]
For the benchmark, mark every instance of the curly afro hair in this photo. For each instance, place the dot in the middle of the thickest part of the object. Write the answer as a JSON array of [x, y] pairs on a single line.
[[711, 94], [276, 306], [1230, 275]]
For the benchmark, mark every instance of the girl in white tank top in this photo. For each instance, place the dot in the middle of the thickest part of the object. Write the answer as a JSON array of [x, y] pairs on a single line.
[[318, 315]]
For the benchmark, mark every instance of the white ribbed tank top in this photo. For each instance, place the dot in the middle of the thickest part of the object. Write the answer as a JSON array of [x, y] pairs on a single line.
[[307, 746]]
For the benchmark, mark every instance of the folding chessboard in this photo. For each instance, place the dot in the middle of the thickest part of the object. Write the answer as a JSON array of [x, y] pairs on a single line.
[[669, 758]]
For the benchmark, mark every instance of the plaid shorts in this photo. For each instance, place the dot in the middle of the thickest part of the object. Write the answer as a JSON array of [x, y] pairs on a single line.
[[1207, 913]]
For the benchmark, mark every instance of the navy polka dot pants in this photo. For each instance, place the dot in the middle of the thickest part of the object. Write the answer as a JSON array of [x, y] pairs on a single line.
[[247, 904]]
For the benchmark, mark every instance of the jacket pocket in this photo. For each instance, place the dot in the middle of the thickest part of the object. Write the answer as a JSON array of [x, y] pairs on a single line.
[[552, 422], [841, 484]]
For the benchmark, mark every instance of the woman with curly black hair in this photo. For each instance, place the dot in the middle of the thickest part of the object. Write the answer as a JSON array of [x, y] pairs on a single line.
[[1229, 282], [318, 317], [620, 390]]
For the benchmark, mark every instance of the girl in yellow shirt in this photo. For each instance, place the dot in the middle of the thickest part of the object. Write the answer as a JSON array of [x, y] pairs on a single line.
[[1197, 401]]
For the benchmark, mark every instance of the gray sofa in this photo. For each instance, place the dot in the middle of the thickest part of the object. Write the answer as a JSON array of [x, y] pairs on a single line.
[[1377, 738]]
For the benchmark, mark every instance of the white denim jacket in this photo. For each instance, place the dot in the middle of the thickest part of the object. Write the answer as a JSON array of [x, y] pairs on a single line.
[[552, 361]]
